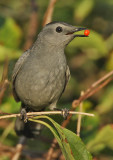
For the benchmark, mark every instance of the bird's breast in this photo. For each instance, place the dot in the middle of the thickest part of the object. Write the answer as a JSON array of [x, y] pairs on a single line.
[[40, 84]]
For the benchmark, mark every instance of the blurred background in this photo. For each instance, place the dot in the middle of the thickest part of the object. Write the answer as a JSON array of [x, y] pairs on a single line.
[[89, 59]]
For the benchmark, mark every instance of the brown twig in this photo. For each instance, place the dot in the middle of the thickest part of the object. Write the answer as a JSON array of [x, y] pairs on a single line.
[[51, 150], [4, 82], [79, 117], [3, 89], [19, 148], [44, 113], [33, 24], [90, 90], [6, 150], [5, 70], [49, 12], [4, 123]]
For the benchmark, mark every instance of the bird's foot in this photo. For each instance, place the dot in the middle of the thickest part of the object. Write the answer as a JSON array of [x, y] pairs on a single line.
[[23, 115], [65, 112]]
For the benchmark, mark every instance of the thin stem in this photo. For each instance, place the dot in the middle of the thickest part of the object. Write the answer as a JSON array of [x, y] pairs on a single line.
[[44, 113], [79, 117], [49, 12]]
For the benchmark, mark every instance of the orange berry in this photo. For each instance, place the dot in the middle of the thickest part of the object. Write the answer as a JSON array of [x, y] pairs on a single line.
[[86, 32]]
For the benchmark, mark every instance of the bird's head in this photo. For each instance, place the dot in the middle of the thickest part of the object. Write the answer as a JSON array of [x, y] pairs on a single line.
[[59, 33]]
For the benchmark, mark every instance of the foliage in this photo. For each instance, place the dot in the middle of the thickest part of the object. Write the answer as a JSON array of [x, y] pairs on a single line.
[[70, 144]]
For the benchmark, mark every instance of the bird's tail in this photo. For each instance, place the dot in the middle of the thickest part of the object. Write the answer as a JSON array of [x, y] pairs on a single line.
[[29, 129]]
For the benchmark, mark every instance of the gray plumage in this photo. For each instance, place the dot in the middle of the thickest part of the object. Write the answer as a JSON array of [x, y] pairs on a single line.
[[41, 73]]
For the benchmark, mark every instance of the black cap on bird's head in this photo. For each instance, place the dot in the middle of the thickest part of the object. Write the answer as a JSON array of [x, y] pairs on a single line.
[[60, 33]]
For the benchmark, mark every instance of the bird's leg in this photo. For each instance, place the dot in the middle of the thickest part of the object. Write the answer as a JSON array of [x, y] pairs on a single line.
[[23, 115]]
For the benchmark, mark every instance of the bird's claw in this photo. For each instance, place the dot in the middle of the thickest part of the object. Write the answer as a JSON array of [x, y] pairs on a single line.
[[23, 115], [65, 113]]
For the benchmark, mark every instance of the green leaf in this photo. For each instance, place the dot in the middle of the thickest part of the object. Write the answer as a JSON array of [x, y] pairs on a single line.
[[4, 157], [109, 43], [10, 105], [103, 139], [71, 145], [106, 102], [10, 34], [109, 63], [83, 10], [9, 53]]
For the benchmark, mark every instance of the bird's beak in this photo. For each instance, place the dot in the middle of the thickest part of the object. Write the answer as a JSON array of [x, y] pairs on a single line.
[[76, 30]]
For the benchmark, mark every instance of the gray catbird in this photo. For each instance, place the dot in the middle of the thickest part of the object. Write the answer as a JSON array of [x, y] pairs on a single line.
[[41, 73]]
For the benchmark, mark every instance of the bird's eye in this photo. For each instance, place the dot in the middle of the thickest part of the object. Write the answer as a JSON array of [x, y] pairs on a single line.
[[59, 29]]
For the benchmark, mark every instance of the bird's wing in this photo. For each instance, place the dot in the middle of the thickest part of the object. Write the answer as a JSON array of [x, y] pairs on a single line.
[[16, 69], [67, 74], [67, 77]]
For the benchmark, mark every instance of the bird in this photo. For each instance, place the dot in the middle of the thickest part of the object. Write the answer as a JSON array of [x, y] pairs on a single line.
[[41, 74]]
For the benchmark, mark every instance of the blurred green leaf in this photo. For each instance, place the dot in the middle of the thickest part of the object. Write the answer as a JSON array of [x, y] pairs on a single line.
[[109, 64], [103, 139], [4, 158], [10, 34], [109, 43], [87, 105], [83, 10], [89, 127], [71, 145], [10, 105], [8, 53], [70, 90], [106, 101]]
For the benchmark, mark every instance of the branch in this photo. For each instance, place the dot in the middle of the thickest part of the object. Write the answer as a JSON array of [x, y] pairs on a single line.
[[42, 113], [33, 25], [51, 150], [79, 117], [6, 150], [3, 89], [5, 69], [96, 86], [49, 12], [4, 82], [19, 148]]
